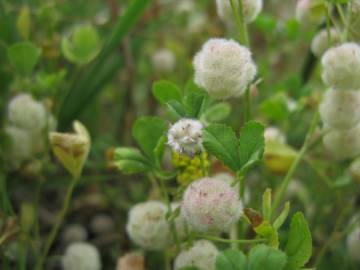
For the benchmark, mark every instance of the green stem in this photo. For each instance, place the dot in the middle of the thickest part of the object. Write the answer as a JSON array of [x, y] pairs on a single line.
[[168, 205], [55, 229], [240, 22], [230, 241], [288, 177], [348, 21]]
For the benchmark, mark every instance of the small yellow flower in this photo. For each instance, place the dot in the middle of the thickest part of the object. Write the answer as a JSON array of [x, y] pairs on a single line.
[[71, 149]]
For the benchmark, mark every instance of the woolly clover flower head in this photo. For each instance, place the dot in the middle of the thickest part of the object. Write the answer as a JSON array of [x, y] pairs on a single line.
[[340, 109], [353, 244], [20, 148], [251, 9], [185, 136], [344, 143], [274, 134], [229, 179], [81, 256], [163, 61], [25, 112], [320, 42], [210, 205], [201, 255], [147, 225], [224, 68], [341, 66], [309, 11]]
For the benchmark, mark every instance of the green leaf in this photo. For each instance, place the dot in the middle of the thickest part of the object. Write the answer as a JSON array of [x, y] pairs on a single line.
[[266, 230], [164, 91], [217, 112], [251, 144], [159, 150], [220, 141], [279, 221], [130, 160], [177, 109], [195, 104], [147, 132], [299, 245], [189, 268], [266, 204], [231, 259], [263, 257], [82, 46], [24, 56]]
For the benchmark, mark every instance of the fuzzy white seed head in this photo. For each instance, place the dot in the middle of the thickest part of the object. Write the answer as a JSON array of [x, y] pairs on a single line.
[[224, 68], [81, 256], [163, 61], [251, 9], [25, 112], [309, 12], [210, 205], [185, 136], [147, 225], [353, 244], [321, 42], [343, 144], [274, 134], [229, 179], [340, 109], [341, 67], [20, 148], [201, 255]]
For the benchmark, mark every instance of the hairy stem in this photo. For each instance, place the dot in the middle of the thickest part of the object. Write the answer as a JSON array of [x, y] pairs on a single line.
[[288, 177], [55, 229]]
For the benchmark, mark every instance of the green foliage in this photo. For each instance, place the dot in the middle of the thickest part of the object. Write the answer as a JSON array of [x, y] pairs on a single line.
[[147, 132], [165, 91], [299, 245], [251, 144], [231, 259], [82, 46], [217, 112], [23, 57], [220, 141], [130, 160], [239, 155], [262, 256]]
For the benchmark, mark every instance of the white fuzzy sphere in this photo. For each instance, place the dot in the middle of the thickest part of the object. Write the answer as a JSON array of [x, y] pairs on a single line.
[[25, 112], [341, 67], [20, 148], [201, 255], [147, 225], [353, 244], [224, 68], [163, 61], [274, 134], [81, 256], [340, 109], [309, 12], [320, 42], [210, 205], [185, 136], [252, 9], [343, 144]]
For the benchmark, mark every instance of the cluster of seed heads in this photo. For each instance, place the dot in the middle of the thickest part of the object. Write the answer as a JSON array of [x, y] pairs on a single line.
[[340, 108]]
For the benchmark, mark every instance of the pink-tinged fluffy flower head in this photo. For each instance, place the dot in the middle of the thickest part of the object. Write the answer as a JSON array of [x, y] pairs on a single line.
[[210, 205]]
